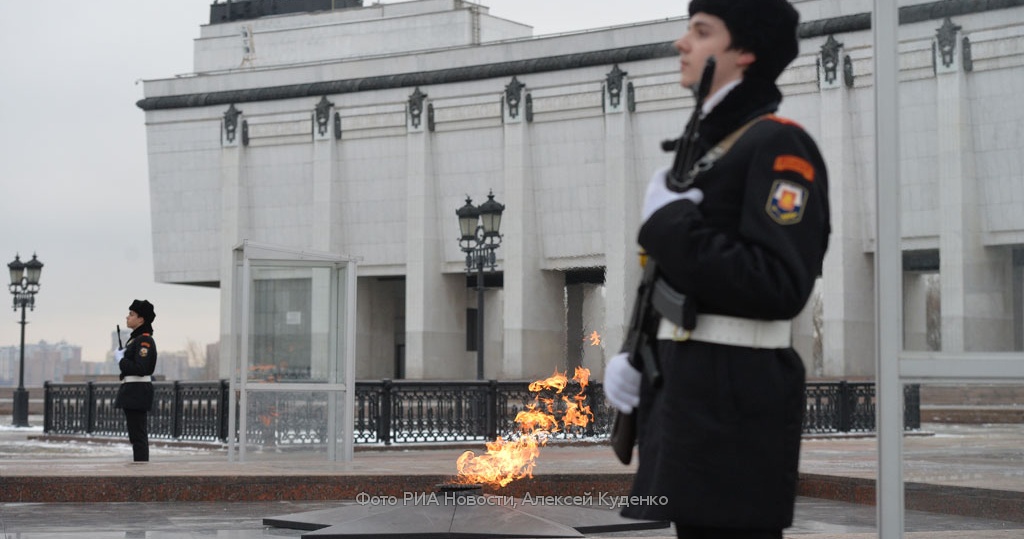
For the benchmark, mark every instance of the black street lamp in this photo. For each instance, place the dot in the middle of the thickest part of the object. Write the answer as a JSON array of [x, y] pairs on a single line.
[[24, 285], [480, 227]]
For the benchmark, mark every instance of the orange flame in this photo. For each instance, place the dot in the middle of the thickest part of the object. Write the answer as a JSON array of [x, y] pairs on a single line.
[[508, 460]]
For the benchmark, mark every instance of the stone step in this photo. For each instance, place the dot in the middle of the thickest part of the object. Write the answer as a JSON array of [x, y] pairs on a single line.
[[971, 414], [987, 395]]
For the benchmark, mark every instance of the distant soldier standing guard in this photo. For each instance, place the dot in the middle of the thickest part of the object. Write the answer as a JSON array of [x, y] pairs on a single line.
[[741, 240], [137, 361]]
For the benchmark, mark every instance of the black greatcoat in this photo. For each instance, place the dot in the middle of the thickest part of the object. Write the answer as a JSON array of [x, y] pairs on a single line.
[[139, 360], [720, 440]]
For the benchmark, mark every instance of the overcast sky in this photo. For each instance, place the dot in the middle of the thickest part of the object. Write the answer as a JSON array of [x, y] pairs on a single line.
[[74, 166]]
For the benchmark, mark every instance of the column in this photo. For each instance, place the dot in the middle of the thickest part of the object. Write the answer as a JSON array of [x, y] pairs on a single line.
[[975, 281], [848, 335], [534, 310], [625, 183], [234, 216], [325, 202], [433, 301], [325, 191]]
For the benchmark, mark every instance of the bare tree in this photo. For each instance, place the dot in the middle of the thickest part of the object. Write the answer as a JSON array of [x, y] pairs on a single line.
[[933, 312], [817, 320], [196, 355]]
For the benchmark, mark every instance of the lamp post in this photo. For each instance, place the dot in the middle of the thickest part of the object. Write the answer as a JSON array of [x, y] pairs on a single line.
[[24, 285], [480, 227]]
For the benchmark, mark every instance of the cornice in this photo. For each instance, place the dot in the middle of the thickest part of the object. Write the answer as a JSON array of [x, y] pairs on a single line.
[[837, 25]]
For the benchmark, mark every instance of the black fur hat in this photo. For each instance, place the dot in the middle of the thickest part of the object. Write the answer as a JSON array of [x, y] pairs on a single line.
[[144, 309], [766, 28]]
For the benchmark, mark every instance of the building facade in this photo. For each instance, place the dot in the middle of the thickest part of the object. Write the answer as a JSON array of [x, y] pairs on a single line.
[[360, 131]]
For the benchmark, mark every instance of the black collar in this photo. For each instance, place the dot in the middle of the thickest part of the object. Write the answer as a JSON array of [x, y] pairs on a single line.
[[144, 328], [749, 99]]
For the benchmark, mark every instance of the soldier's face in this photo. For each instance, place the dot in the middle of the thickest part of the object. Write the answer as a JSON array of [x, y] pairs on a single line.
[[708, 36], [133, 320]]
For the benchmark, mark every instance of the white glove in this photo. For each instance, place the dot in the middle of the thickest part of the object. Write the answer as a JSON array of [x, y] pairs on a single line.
[[659, 195], [622, 383], [119, 354]]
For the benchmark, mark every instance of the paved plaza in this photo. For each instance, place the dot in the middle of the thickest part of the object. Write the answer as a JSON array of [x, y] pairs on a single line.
[[966, 468]]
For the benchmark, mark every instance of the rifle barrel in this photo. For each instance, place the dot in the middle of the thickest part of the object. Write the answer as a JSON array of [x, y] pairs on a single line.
[[686, 148]]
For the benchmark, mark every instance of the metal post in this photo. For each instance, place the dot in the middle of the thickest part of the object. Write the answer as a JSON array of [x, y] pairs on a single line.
[[492, 410], [20, 395], [90, 407], [384, 423], [178, 407], [844, 407], [47, 407], [480, 316]]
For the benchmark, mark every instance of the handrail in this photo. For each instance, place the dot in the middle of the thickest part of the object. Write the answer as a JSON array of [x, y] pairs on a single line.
[[397, 411]]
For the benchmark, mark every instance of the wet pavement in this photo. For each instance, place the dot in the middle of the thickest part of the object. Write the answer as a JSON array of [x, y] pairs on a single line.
[[815, 519], [952, 459]]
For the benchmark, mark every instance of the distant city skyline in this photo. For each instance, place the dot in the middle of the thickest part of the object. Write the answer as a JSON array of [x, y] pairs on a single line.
[[62, 362]]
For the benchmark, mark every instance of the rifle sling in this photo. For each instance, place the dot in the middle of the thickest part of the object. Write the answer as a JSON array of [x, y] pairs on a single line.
[[720, 149], [668, 302]]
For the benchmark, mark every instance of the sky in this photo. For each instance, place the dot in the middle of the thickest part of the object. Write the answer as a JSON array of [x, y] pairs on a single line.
[[74, 168]]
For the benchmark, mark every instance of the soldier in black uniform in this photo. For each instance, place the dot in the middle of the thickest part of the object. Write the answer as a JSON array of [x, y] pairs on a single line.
[[719, 440], [137, 361]]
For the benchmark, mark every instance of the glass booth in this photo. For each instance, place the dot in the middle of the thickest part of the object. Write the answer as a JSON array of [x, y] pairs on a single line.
[[293, 355]]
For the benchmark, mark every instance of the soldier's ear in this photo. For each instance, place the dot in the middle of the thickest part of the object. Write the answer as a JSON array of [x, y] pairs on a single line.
[[746, 59]]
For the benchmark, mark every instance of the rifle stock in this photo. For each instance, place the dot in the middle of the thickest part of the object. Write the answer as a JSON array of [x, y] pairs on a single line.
[[642, 357]]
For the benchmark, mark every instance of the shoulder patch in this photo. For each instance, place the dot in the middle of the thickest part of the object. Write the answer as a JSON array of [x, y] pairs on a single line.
[[143, 352], [144, 343], [786, 202], [793, 163]]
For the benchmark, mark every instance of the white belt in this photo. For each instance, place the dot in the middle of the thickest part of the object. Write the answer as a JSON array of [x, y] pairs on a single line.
[[137, 379], [731, 331]]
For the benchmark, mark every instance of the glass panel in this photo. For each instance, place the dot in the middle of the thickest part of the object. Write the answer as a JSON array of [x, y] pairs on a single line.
[[962, 468], [960, 184], [973, 303], [967, 461], [287, 422], [289, 337]]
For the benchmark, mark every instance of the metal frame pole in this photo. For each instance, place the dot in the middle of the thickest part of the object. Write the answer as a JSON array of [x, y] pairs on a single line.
[[888, 270]]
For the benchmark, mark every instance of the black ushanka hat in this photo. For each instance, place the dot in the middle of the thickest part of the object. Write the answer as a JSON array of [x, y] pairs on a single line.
[[766, 28], [144, 309]]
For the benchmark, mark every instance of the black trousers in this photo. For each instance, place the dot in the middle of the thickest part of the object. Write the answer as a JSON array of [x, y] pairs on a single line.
[[718, 533], [137, 434]]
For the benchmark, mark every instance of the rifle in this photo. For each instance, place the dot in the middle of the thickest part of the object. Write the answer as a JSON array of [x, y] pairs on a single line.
[[640, 337], [119, 345]]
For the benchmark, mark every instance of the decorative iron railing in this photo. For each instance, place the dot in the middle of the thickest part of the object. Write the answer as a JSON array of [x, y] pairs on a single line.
[[397, 411], [840, 407], [190, 411]]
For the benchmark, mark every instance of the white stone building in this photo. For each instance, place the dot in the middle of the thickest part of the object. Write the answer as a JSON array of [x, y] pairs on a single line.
[[360, 130]]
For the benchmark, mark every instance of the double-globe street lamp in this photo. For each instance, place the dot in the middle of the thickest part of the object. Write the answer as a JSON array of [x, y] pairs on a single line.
[[480, 227], [24, 285]]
